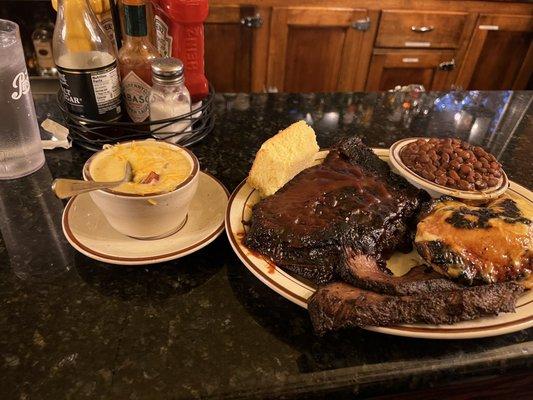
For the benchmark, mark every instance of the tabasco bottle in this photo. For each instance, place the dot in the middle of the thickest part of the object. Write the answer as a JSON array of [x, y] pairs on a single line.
[[179, 28], [135, 57]]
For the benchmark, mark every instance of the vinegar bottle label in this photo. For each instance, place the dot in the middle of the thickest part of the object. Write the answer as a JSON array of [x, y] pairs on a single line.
[[92, 94]]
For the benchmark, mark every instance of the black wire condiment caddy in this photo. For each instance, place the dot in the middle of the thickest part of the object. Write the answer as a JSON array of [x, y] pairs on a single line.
[[93, 134]]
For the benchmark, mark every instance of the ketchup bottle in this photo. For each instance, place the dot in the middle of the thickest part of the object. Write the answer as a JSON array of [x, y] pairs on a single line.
[[186, 27]]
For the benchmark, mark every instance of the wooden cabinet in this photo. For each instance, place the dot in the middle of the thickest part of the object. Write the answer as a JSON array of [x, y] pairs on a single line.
[[322, 46], [390, 68], [319, 49], [500, 54], [429, 29], [236, 39]]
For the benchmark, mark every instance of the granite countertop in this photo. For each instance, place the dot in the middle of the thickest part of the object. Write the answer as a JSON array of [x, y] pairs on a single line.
[[203, 326]]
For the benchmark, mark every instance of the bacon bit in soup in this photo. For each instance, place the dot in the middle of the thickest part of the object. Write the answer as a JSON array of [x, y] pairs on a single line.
[[152, 177]]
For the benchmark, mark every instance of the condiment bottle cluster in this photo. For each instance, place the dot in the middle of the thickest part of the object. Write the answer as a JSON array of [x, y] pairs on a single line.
[[111, 73]]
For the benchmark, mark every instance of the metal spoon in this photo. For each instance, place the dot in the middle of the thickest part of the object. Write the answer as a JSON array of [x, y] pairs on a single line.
[[65, 188]]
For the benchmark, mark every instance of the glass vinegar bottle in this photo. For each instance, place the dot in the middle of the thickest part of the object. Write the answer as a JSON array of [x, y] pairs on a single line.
[[86, 63]]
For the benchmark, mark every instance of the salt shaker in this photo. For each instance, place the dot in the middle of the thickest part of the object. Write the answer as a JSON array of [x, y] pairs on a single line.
[[169, 97]]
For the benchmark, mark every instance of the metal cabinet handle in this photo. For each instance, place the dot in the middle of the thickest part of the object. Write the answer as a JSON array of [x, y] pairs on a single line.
[[422, 29], [447, 65], [361, 24], [254, 21]]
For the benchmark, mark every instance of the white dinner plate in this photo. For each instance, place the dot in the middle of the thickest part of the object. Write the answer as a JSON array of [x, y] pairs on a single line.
[[299, 290], [87, 230]]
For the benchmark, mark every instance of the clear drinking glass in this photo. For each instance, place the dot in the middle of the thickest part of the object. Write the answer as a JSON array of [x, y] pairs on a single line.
[[21, 152]]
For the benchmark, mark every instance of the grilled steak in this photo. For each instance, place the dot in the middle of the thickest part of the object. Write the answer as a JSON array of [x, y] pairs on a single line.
[[339, 305], [352, 200], [364, 272], [477, 244]]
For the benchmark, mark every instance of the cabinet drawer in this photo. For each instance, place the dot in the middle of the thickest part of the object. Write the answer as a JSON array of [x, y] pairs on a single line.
[[405, 28], [430, 68]]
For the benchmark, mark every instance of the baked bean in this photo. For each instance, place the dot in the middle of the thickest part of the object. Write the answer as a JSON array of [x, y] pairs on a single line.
[[465, 169], [430, 176], [448, 150], [464, 184], [480, 185], [492, 182], [452, 163], [452, 174], [479, 152], [441, 180]]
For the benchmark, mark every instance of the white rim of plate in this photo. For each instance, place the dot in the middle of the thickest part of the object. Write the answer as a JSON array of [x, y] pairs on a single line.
[[110, 259], [299, 290]]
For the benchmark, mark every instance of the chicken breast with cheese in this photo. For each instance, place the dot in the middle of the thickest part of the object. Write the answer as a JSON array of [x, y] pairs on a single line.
[[478, 244]]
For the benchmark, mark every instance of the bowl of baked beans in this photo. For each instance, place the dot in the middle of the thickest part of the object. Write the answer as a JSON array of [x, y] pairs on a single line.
[[449, 166]]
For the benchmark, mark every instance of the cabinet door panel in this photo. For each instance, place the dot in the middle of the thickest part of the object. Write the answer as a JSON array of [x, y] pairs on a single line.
[[500, 54], [315, 58], [235, 54], [390, 68], [317, 49], [229, 70], [501, 57]]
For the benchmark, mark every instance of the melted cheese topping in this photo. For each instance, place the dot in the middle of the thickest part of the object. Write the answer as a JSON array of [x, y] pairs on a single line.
[[146, 158], [498, 252]]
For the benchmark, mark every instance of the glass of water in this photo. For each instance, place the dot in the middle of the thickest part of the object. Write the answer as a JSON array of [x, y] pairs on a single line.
[[21, 152]]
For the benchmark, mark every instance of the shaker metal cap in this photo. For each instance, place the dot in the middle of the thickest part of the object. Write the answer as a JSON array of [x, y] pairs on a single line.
[[167, 69]]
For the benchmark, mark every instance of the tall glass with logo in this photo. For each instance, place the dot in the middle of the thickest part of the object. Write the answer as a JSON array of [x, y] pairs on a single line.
[[21, 152]]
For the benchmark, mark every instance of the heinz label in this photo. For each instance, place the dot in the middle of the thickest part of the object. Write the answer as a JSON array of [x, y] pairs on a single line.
[[163, 39]]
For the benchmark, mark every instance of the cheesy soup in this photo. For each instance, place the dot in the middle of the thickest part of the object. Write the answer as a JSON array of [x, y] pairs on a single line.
[[156, 167]]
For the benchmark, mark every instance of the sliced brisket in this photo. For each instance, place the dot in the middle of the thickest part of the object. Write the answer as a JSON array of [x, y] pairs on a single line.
[[364, 272], [340, 305]]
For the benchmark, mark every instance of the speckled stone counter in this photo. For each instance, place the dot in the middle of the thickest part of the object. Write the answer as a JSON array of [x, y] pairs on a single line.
[[203, 326]]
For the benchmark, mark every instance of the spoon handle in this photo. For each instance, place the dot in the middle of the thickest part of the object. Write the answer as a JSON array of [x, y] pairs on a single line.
[[65, 188]]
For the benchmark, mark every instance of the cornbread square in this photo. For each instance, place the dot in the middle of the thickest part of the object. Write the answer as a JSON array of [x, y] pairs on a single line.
[[282, 157]]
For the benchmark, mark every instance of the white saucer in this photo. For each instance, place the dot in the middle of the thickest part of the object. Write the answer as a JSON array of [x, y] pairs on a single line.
[[87, 230]]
